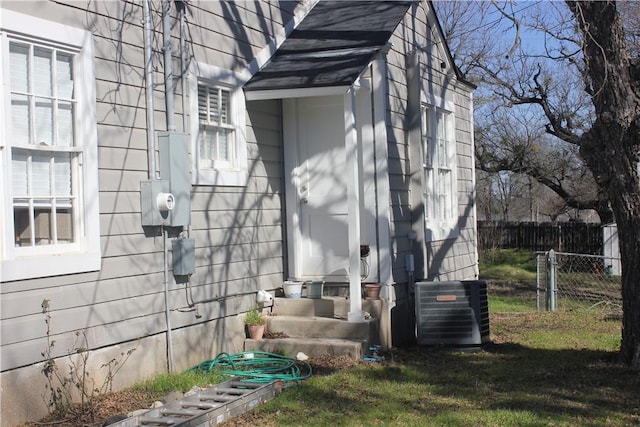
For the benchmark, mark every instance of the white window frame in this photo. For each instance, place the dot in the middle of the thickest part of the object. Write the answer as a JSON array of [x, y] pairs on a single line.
[[83, 254], [234, 173], [441, 221]]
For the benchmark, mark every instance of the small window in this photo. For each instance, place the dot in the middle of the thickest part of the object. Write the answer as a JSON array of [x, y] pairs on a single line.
[[44, 205], [217, 131], [218, 118], [42, 112], [50, 213], [439, 166]]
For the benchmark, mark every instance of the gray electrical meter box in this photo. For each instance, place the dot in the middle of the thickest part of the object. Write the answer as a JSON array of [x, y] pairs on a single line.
[[155, 202], [175, 167], [184, 260]]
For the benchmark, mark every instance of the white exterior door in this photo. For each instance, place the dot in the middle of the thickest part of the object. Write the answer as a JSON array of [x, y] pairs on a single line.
[[316, 186], [315, 160]]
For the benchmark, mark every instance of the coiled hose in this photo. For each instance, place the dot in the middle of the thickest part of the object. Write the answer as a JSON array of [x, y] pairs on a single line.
[[258, 366]]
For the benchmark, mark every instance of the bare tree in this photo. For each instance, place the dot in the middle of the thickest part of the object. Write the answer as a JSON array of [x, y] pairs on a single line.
[[510, 139], [611, 147], [630, 14], [487, 205], [581, 78], [509, 188]]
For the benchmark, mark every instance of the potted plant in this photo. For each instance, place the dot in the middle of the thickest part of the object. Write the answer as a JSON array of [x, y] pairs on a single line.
[[256, 323], [373, 290]]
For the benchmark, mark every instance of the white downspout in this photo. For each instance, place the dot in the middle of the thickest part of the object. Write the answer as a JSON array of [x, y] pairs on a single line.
[[474, 210], [383, 191], [383, 203], [353, 206]]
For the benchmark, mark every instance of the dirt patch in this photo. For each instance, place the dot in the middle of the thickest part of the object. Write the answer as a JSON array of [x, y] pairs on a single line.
[[512, 288], [99, 409], [110, 405], [324, 365]]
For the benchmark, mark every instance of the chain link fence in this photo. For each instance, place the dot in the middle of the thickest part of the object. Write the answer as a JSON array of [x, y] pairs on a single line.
[[576, 281]]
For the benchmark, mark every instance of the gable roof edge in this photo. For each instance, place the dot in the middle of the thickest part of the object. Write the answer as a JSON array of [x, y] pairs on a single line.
[[460, 77], [281, 35], [331, 46]]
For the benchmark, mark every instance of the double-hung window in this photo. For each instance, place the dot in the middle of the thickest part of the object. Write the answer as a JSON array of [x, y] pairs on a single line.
[[217, 127], [216, 142], [439, 168], [48, 149]]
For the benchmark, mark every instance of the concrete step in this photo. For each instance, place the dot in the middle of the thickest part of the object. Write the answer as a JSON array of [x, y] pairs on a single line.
[[324, 307], [318, 327], [322, 327], [332, 307], [312, 347]]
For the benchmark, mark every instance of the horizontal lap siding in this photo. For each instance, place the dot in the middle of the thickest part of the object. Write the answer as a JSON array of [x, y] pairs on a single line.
[[449, 259], [238, 231], [459, 260], [462, 257], [401, 209]]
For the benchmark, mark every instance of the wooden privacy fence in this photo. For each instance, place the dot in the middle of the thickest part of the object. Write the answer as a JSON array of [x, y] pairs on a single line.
[[574, 237]]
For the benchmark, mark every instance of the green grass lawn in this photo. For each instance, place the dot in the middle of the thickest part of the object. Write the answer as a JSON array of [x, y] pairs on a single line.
[[508, 265], [541, 369]]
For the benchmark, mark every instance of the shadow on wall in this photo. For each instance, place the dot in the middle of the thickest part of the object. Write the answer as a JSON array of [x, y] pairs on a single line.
[[403, 318]]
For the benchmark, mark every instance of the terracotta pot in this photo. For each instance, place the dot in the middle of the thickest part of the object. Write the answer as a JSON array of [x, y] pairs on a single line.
[[373, 291], [256, 332]]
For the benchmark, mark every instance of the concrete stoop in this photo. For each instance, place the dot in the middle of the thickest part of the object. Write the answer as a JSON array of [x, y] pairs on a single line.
[[312, 347], [318, 327]]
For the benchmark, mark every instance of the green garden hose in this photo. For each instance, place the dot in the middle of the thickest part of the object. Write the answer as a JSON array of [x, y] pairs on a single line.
[[258, 366]]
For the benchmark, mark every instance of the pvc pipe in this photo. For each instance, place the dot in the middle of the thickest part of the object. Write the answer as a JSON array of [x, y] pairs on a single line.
[[148, 64], [167, 314], [538, 280], [184, 67], [552, 280], [168, 65], [171, 126]]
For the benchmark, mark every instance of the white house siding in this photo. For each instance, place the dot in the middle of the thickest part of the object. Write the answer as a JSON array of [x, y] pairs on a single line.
[[238, 230], [457, 260], [450, 259]]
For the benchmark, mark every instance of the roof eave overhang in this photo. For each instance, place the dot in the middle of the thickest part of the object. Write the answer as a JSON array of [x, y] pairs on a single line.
[[259, 95], [329, 50]]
